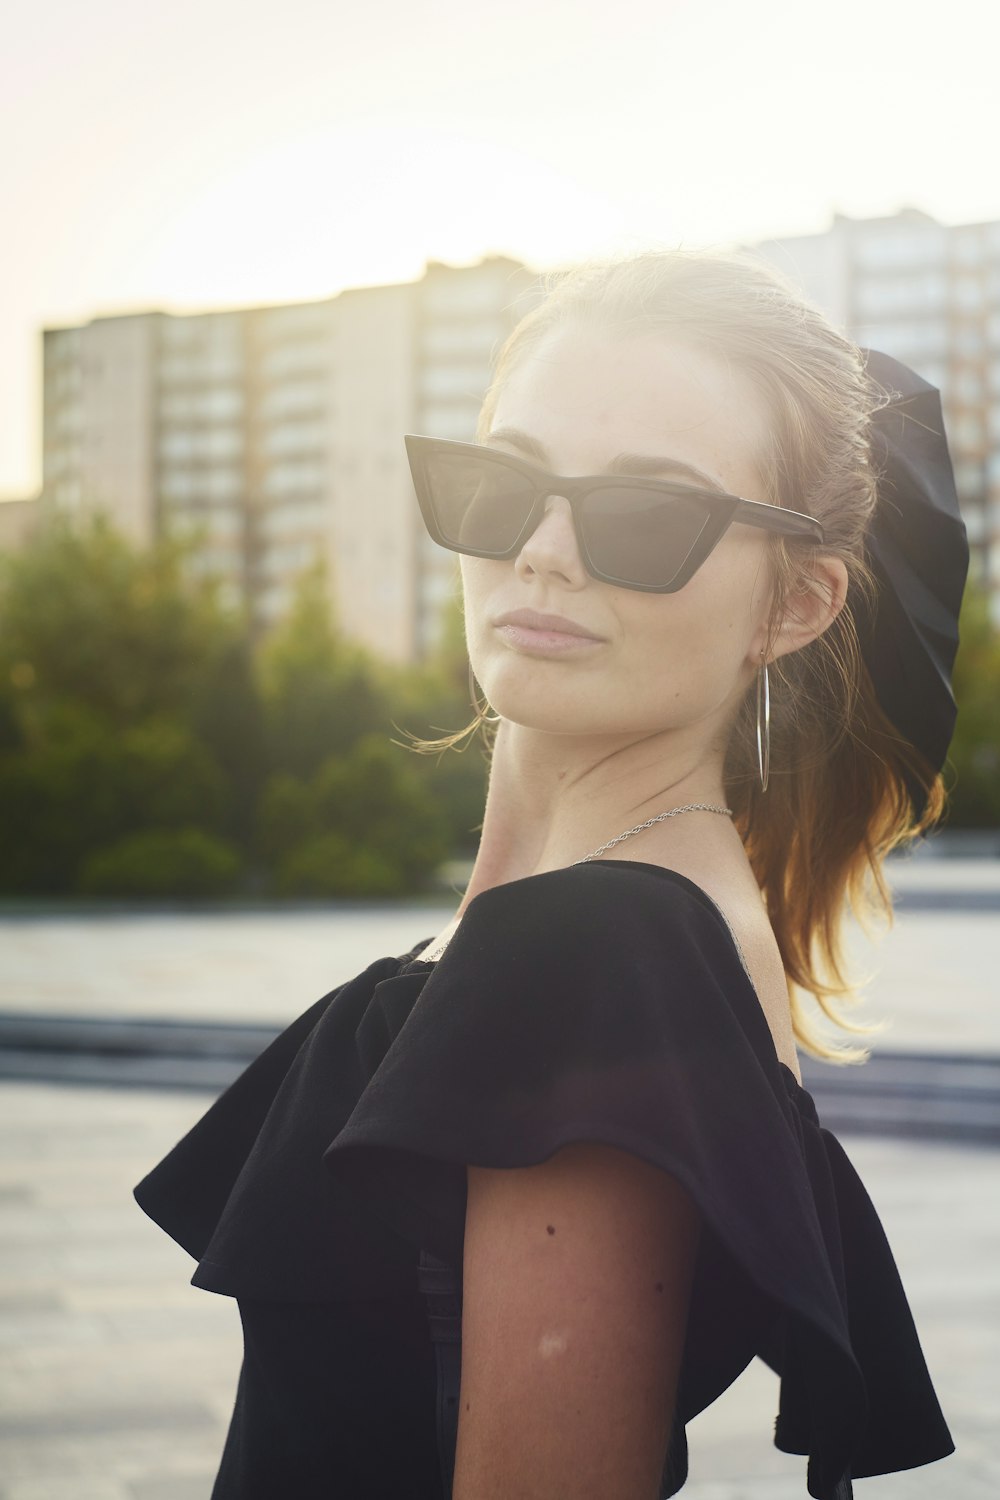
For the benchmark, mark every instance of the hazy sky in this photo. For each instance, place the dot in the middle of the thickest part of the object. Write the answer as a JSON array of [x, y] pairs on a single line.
[[213, 152]]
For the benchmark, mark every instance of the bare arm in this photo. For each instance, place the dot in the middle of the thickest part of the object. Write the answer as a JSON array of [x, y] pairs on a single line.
[[577, 1276]]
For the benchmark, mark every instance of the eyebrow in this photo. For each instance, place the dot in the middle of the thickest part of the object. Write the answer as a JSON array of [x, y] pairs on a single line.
[[638, 465]]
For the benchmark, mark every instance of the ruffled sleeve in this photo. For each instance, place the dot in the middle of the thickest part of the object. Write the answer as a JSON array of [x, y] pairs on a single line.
[[607, 1003], [245, 1191]]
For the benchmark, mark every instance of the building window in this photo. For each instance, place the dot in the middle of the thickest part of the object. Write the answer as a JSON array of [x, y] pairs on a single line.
[[466, 380], [901, 246], [222, 484], [968, 294], [463, 295], [294, 436], [472, 340], [292, 476], [450, 420], [967, 388], [292, 516], [969, 340], [312, 358], [295, 397], [968, 430], [221, 442]]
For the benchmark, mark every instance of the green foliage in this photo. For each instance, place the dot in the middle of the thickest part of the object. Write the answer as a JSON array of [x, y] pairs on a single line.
[[228, 719], [433, 701], [80, 784], [149, 746], [11, 734], [161, 862], [57, 799], [284, 815], [975, 750], [85, 616], [328, 865], [361, 826], [320, 693]]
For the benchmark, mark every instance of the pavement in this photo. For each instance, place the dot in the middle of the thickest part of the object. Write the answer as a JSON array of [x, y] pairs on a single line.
[[117, 1376], [934, 974]]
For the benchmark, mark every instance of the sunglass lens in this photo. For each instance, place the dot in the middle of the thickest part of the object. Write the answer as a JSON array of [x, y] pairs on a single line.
[[641, 537], [478, 503]]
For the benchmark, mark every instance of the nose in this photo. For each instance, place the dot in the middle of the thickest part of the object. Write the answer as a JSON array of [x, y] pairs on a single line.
[[552, 550]]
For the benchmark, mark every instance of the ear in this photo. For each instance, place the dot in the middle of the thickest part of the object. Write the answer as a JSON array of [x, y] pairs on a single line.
[[813, 605]]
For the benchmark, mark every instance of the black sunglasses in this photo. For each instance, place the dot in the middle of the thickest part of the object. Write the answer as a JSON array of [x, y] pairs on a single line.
[[648, 534]]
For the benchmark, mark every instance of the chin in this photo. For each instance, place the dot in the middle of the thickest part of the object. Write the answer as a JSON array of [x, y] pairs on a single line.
[[549, 707]]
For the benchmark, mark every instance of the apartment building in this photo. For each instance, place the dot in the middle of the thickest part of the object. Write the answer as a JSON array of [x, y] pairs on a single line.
[[275, 434], [98, 429], [928, 294]]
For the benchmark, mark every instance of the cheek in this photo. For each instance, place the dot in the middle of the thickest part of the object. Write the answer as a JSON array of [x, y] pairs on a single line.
[[694, 642], [731, 593], [480, 579]]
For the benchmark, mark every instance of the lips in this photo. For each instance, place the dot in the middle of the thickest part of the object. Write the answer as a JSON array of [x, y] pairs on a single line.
[[531, 619]]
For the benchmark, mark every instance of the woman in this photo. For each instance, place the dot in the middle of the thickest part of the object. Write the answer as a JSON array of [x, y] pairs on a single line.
[[579, 1108]]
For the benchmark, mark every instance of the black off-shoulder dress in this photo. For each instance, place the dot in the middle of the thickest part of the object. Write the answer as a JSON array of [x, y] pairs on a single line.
[[604, 1002]]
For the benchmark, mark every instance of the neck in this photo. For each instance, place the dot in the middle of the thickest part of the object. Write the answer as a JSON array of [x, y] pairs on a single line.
[[553, 799]]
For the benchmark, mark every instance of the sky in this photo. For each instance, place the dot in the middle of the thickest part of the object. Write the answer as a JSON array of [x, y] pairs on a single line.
[[217, 153]]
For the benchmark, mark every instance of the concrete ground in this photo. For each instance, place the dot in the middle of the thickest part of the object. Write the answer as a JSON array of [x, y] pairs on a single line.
[[933, 976], [117, 1377]]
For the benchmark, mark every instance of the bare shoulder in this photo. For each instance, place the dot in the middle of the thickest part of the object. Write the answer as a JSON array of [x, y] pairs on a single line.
[[743, 910], [731, 887], [576, 1283]]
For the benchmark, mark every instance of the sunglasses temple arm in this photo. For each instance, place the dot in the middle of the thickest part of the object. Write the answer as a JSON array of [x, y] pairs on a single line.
[[774, 518]]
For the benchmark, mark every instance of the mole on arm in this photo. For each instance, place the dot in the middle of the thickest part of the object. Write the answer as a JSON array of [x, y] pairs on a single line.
[[550, 1228]]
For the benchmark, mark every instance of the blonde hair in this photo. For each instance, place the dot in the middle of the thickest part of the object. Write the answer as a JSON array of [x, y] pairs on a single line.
[[837, 800]]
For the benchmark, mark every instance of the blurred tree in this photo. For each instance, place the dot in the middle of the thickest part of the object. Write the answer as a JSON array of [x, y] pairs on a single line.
[[228, 717], [161, 862], [326, 864], [79, 784], [362, 826], [84, 615], [975, 750], [284, 815], [105, 652], [58, 797], [432, 702], [166, 777], [11, 735], [321, 693]]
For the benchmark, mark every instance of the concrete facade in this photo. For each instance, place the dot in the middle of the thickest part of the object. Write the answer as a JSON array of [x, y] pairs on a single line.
[[928, 294], [276, 432], [274, 435]]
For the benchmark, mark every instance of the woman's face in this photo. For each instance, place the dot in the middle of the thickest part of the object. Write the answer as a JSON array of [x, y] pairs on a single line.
[[651, 662]]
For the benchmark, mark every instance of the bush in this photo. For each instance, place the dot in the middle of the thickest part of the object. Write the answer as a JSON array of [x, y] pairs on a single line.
[[363, 825], [168, 779], [330, 865], [81, 785], [284, 816], [320, 693], [161, 862], [84, 615], [59, 798]]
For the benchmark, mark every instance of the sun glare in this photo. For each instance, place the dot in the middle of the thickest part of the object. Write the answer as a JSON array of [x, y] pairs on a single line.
[[370, 203]]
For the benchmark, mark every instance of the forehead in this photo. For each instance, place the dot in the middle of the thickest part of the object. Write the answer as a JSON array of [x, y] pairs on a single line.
[[588, 394]]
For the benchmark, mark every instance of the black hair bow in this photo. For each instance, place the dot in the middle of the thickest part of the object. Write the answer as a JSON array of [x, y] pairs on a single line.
[[918, 550]]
